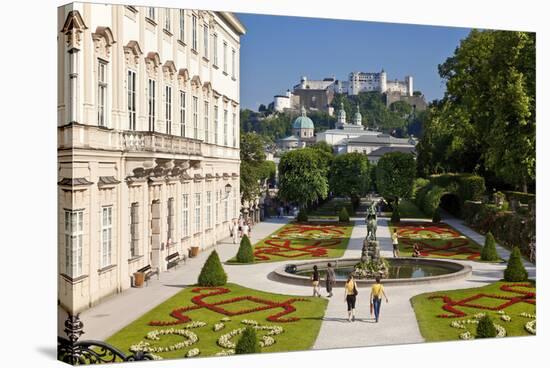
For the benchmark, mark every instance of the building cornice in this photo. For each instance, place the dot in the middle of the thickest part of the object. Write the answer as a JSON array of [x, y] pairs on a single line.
[[233, 21]]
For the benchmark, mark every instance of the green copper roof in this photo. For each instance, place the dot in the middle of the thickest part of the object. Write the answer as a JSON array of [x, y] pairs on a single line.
[[303, 122]]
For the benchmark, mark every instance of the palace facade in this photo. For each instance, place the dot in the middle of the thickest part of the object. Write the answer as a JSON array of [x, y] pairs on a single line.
[[148, 141]]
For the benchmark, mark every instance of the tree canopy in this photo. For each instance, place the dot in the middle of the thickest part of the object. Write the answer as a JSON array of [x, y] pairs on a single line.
[[395, 173], [255, 170], [349, 175]]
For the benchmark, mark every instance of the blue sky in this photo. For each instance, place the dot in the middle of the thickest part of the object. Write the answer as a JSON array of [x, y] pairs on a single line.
[[277, 50]]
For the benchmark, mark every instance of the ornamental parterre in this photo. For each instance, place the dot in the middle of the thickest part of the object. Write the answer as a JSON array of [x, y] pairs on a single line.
[[518, 296], [178, 314]]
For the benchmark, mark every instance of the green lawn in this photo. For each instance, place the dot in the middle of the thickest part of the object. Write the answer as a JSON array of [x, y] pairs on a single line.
[[408, 209], [434, 327], [435, 240], [298, 241], [296, 335]]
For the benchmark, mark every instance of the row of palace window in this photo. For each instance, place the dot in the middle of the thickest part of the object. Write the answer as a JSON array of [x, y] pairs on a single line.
[[74, 229], [151, 14], [211, 133]]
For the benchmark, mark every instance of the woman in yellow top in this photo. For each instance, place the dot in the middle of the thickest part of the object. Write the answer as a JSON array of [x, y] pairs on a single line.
[[376, 293], [350, 295]]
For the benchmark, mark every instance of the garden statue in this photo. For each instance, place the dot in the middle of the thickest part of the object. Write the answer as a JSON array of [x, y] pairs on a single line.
[[371, 226], [371, 264]]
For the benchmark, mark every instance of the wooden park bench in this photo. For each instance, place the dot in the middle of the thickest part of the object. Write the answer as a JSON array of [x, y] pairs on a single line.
[[148, 271], [174, 259]]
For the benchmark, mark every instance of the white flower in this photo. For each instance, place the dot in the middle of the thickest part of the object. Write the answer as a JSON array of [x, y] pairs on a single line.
[[218, 326], [501, 331], [225, 319], [192, 353], [226, 352], [531, 327], [466, 336], [527, 315], [505, 318]]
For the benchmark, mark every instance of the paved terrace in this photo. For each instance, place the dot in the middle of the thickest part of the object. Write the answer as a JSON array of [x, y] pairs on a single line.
[[397, 322]]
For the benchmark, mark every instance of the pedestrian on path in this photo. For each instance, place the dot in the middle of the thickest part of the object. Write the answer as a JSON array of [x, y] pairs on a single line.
[[350, 296], [245, 229], [376, 293], [395, 242], [315, 281], [330, 278], [234, 230]]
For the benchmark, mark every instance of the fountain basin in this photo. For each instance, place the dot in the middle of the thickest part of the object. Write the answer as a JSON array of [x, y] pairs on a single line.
[[403, 271]]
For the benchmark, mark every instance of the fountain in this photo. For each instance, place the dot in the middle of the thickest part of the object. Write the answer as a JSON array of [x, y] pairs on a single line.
[[371, 264]]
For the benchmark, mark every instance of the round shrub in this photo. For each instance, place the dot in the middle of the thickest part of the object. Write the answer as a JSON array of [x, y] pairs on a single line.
[[431, 200], [245, 253], [486, 328], [343, 215], [212, 273], [515, 272], [489, 251], [302, 216], [248, 343], [436, 217], [395, 216]]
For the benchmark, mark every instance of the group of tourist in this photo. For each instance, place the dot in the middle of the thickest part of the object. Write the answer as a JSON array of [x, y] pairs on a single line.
[[350, 291], [395, 243], [240, 227]]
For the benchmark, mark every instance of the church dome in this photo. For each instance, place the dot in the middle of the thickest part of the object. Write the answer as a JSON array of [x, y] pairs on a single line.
[[303, 122], [358, 119], [342, 113]]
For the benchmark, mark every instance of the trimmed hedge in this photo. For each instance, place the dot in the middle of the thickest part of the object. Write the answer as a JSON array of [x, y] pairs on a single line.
[[522, 197], [485, 328], [489, 250], [515, 272], [395, 215], [343, 215], [248, 343], [212, 273], [436, 217], [418, 184], [510, 229], [245, 253], [302, 216]]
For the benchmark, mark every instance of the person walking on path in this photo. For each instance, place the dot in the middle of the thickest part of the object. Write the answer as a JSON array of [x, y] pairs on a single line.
[[245, 229], [330, 279], [350, 296], [376, 293], [234, 230], [315, 281], [395, 242]]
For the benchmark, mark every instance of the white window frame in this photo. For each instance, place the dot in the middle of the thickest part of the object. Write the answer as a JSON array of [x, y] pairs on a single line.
[[131, 86], [205, 35], [182, 113], [233, 56], [215, 48], [185, 214], [151, 13], [168, 109], [217, 208], [206, 121], [225, 57], [182, 25], [209, 209], [151, 103], [167, 20], [216, 123], [198, 214], [226, 209], [134, 230], [170, 217], [102, 91], [194, 43], [74, 234], [234, 117], [195, 117], [106, 247], [225, 127]]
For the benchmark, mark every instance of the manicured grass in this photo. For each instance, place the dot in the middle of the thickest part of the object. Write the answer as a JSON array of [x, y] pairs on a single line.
[[296, 335], [296, 241], [408, 209], [435, 240], [429, 310]]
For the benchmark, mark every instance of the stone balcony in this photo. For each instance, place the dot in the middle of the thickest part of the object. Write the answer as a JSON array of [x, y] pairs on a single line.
[[79, 136]]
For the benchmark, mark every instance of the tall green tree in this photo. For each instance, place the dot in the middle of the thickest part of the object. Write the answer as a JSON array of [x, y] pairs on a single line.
[[395, 173], [255, 170], [303, 176], [349, 176]]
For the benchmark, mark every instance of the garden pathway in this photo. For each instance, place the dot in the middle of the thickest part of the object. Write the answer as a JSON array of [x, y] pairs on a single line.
[[397, 323]]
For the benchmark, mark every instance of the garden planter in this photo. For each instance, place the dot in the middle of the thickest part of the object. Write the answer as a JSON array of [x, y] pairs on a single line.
[[194, 251], [139, 278]]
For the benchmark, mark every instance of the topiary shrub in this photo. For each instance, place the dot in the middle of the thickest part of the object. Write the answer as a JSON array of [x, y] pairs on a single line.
[[395, 216], [248, 343], [515, 272], [212, 273], [343, 215], [486, 328], [245, 253], [489, 251], [302, 216], [436, 217]]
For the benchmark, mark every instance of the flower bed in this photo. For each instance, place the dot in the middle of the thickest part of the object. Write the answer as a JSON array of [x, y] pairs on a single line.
[[511, 308], [304, 241], [192, 322], [435, 240]]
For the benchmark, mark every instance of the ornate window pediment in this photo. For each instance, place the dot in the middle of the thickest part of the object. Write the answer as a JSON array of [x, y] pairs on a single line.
[[73, 28], [196, 82], [152, 62], [183, 78], [169, 70], [132, 52], [207, 88], [103, 40]]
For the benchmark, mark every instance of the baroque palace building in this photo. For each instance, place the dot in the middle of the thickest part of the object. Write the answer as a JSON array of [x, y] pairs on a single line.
[[148, 141]]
